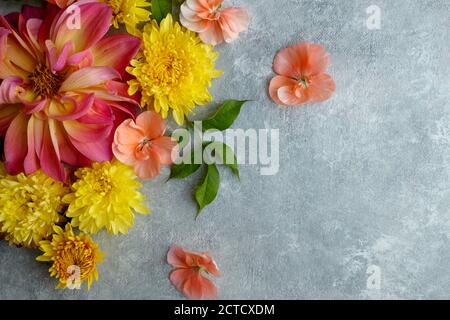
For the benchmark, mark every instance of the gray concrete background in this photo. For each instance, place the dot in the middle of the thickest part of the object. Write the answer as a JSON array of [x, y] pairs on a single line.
[[364, 177]]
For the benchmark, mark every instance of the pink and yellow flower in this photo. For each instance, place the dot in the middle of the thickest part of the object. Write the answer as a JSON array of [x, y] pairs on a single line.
[[142, 144], [213, 23], [61, 95]]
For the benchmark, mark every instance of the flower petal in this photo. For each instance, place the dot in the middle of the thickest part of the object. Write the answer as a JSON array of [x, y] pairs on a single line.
[[292, 95], [233, 21], [164, 146], [152, 123], [212, 34], [116, 51], [88, 77], [149, 168], [278, 82], [99, 151], [16, 144], [321, 88], [176, 257], [94, 21], [49, 157], [86, 132]]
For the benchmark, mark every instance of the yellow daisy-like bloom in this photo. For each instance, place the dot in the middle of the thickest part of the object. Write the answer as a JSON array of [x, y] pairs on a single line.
[[74, 257], [130, 13], [174, 69], [29, 207], [104, 196]]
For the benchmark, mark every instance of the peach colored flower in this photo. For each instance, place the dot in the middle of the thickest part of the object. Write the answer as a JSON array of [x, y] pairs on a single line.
[[302, 76], [142, 144], [188, 275], [213, 24], [61, 93]]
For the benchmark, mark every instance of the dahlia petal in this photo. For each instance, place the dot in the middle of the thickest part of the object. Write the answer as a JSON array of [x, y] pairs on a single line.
[[148, 169], [99, 151], [276, 83], [88, 77], [9, 90], [69, 109], [95, 19], [321, 87], [49, 157], [99, 113], [7, 115], [86, 132], [81, 59], [31, 162], [16, 144], [115, 51], [7, 46], [164, 147], [57, 59], [32, 29]]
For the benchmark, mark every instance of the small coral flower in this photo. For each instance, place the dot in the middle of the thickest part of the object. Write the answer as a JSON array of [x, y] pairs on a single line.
[[30, 206], [174, 70], [142, 144], [302, 76], [61, 96], [105, 196], [188, 275], [74, 257], [213, 23]]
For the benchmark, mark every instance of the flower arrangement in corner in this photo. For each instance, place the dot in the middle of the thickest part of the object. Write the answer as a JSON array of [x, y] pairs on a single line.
[[82, 117]]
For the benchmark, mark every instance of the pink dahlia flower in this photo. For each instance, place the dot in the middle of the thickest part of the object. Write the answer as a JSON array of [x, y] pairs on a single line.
[[61, 95]]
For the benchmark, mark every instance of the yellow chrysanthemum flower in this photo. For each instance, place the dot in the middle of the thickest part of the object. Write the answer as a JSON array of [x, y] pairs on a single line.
[[29, 207], [104, 196], [74, 257], [129, 13], [174, 69]]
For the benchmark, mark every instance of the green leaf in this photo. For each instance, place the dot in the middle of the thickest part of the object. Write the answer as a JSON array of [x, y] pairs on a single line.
[[223, 152], [160, 9], [206, 193], [225, 116], [181, 171], [184, 170]]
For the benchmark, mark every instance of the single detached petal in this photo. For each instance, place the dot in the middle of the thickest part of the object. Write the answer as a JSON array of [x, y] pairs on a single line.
[[115, 51]]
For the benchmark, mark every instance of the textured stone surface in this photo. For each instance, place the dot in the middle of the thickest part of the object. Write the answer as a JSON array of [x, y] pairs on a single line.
[[364, 178]]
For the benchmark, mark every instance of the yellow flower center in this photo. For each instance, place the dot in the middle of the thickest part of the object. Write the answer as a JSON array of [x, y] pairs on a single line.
[[74, 253], [44, 82], [103, 184]]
